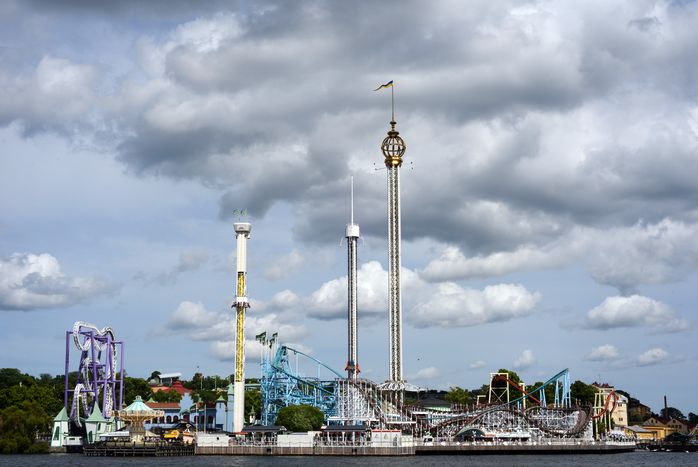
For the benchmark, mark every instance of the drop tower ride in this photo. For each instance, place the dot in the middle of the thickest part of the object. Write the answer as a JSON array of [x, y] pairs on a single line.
[[352, 236], [393, 148], [242, 233]]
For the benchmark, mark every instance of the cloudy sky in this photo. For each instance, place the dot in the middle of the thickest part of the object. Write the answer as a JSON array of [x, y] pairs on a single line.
[[549, 195]]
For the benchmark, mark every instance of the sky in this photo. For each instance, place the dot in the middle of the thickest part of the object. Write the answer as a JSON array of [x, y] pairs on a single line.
[[549, 195]]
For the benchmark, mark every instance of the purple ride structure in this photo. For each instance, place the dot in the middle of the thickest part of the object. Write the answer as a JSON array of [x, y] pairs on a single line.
[[98, 385]]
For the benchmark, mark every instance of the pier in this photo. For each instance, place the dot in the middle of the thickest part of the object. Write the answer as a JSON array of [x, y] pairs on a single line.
[[122, 449], [305, 451], [444, 448]]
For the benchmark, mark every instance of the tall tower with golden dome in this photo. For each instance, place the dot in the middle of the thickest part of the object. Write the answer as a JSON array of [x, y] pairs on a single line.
[[393, 148]]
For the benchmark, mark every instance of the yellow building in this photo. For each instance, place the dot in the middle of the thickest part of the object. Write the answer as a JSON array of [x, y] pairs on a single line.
[[639, 433], [661, 427]]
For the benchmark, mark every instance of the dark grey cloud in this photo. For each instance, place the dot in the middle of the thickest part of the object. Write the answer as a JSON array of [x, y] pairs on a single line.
[[522, 122]]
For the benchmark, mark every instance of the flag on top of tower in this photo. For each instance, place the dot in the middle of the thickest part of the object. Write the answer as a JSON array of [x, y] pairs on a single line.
[[389, 84]]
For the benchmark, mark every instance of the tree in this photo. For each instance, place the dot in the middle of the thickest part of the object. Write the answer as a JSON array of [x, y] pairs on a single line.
[[601, 428], [135, 387], [195, 383], [692, 418], [207, 395], [253, 403], [458, 395], [300, 418], [167, 396], [13, 377], [45, 396], [583, 393], [672, 412], [19, 426], [155, 375]]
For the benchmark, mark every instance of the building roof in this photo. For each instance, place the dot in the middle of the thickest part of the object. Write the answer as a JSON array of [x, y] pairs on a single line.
[[163, 405], [179, 387], [170, 375], [231, 389], [62, 416], [663, 421], [602, 385], [176, 386], [96, 415]]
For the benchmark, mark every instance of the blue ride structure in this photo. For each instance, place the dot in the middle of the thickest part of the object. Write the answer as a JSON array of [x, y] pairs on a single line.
[[348, 401], [283, 383]]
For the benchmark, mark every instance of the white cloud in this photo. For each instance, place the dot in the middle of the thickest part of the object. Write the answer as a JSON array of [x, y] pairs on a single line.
[[452, 264], [603, 353], [635, 311], [29, 282], [652, 357], [200, 324], [329, 301], [525, 360], [454, 306], [284, 266], [477, 364], [225, 350], [424, 304], [57, 95], [189, 315]]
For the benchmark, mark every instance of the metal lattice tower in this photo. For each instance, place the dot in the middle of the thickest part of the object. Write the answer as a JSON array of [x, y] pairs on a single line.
[[242, 233], [352, 236], [393, 148]]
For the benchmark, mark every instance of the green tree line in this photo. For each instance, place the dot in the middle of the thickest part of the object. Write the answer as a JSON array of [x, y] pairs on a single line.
[[28, 404]]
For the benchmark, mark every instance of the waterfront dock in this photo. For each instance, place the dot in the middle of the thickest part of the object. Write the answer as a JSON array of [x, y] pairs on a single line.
[[305, 451], [420, 449], [119, 449], [525, 448]]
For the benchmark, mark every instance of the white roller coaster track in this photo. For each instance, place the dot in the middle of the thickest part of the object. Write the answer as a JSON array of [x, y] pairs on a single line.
[[82, 390]]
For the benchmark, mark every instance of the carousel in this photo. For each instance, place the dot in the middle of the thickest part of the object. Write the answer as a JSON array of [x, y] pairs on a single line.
[[136, 415]]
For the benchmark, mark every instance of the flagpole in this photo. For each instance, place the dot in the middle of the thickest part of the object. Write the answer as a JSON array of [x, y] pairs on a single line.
[[392, 100]]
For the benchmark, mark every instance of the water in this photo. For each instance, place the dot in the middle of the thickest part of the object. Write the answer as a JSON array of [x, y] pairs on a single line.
[[639, 458]]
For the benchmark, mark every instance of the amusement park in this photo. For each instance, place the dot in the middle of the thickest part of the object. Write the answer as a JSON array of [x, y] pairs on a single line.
[[355, 415]]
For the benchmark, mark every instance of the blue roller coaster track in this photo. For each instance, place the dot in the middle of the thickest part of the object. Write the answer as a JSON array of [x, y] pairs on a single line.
[[283, 385]]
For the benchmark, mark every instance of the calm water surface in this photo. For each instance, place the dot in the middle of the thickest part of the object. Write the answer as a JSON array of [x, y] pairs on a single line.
[[640, 458]]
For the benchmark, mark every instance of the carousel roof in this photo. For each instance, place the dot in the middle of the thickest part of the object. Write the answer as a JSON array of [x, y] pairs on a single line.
[[138, 410], [138, 406]]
